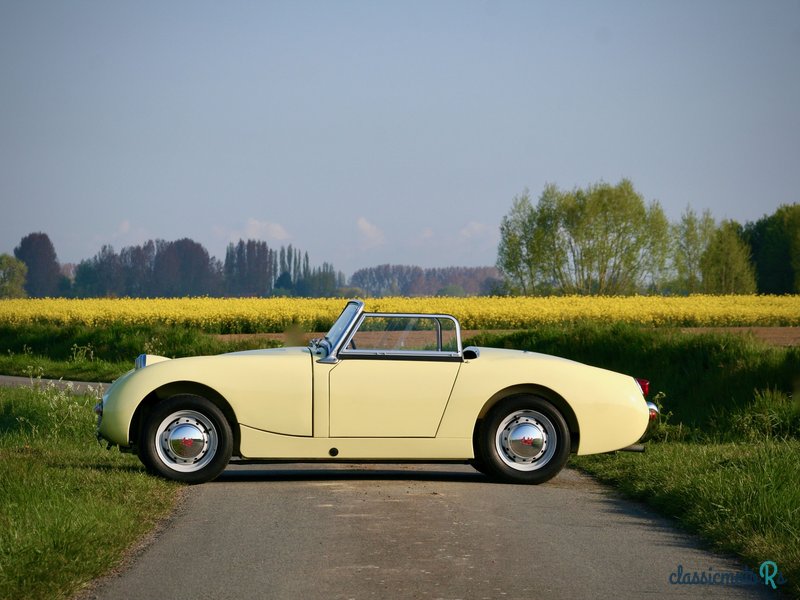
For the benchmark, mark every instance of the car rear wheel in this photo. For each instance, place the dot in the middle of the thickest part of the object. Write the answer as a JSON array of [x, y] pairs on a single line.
[[186, 438], [524, 439]]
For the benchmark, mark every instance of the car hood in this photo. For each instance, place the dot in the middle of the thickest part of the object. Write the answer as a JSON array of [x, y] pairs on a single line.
[[152, 359], [271, 351]]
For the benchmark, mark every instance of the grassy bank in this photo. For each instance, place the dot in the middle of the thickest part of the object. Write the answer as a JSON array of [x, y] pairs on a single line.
[[69, 509]]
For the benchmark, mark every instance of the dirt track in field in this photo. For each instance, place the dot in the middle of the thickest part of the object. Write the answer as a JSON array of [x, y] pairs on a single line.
[[777, 336]]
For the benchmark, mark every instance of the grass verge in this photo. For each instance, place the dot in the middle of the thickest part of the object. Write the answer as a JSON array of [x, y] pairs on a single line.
[[116, 343], [742, 497], [69, 509], [37, 367]]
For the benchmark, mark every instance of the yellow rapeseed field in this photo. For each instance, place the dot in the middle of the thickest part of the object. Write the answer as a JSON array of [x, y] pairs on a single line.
[[250, 315]]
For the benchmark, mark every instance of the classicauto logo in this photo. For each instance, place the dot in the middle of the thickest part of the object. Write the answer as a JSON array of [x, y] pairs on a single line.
[[768, 574]]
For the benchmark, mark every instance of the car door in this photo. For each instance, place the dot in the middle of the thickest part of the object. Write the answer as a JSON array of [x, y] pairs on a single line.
[[393, 378]]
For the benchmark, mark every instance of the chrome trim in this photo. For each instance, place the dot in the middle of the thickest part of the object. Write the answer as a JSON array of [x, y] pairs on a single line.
[[434, 317], [633, 448], [399, 353], [186, 441], [334, 352], [652, 419], [331, 357], [524, 440]]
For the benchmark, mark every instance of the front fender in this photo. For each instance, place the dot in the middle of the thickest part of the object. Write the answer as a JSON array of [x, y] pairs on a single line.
[[268, 389]]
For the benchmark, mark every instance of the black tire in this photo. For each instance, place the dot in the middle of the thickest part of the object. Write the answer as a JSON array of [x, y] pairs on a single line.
[[186, 438], [524, 439], [480, 467], [478, 463]]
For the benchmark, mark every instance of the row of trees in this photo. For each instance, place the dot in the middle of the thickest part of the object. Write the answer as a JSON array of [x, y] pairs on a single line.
[[403, 280], [604, 239], [165, 269], [254, 269], [251, 268], [160, 268]]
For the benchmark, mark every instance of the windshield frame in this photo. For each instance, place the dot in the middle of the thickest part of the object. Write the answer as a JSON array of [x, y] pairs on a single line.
[[329, 349], [340, 330]]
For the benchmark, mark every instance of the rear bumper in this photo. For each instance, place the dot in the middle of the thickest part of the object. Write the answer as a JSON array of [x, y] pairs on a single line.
[[652, 423]]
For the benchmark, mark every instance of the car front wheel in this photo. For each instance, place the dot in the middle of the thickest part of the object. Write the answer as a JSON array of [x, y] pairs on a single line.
[[524, 439], [186, 438]]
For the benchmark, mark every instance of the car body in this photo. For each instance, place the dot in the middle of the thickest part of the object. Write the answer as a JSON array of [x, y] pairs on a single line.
[[377, 387]]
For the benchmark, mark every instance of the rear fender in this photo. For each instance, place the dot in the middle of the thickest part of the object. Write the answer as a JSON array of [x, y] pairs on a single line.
[[543, 392]]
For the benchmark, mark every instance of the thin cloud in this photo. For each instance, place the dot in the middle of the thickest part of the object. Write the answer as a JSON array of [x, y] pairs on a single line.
[[426, 234], [371, 235], [255, 230], [473, 229], [274, 232], [125, 234]]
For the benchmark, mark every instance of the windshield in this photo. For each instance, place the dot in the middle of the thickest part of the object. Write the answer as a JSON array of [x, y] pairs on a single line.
[[342, 324]]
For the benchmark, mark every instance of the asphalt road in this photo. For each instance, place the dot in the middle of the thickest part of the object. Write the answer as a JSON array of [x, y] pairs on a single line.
[[78, 387], [408, 531]]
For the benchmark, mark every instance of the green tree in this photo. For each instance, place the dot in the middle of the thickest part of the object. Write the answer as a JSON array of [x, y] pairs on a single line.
[[37, 252], [452, 290], [12, 277], [248, 268], [598, 240], [775, 244], [725, 264], [519, 253], [690, 238], [322, 281], [283, 284], [184, 268]]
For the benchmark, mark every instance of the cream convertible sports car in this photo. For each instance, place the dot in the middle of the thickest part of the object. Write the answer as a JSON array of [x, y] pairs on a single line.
[[378, 387]]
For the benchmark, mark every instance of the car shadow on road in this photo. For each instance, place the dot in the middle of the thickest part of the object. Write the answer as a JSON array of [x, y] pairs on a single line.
[[279, 472], [672, 532]]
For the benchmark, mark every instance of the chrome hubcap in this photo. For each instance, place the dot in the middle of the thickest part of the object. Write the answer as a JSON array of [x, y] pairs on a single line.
[[186, 441], [526, 440]]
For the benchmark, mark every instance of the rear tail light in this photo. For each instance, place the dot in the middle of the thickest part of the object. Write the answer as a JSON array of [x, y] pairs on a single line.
[[644, 385]]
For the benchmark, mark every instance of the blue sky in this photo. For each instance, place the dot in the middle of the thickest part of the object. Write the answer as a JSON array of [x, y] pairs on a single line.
[[375, 132]]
